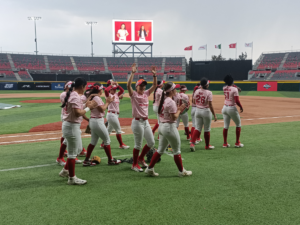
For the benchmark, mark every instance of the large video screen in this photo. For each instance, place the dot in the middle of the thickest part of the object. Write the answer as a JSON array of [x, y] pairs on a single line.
[[132, 31]]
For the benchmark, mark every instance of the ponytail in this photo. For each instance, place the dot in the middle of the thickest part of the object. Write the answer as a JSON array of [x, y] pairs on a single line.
[[154, 94], [68, 95], [162, 100], [78, 82]]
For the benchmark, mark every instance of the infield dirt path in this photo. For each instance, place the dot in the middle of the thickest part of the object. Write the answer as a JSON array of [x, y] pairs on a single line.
[[257, 110]]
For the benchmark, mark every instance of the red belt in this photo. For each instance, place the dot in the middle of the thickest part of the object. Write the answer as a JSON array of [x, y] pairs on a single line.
[[141, 118], [96, 117], [112, 112]]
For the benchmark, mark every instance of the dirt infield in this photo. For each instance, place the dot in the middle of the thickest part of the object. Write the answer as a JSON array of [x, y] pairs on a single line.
[[257, 110], [42, 101]]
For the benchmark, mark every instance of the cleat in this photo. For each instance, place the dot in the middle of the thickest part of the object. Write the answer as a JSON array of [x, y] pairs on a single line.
[[61, 161], [64, 173], [88, 163], [226, 145], [137, 168], [209, 147], [184, 173], [76, 181], [239, 145], [142, 163], [102, 145], [113, 162], [82, 153], [151, 172], [77, 161], [198, 140], [124, 146], [66, 153], [192, 147]]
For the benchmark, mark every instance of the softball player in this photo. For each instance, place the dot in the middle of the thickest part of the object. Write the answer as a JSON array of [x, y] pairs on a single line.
[[98, 128], [193, 112], [204, 111], [140, 125], [156, 99], [112, 115], [168, 114], [184, 116], [230, 111], [71, 127], [63, 142]]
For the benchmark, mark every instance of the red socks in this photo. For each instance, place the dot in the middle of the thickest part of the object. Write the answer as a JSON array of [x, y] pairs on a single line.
[[71, 167], [89, 151], [135, 156], [62, 151], [144, 152], [108, 152], [187, 131], [154, 159], [119, 137], [225, 132], [207, 138], [62, 140], [155, 128], [192, 131], [178, 161], [196, 133], [238, 133]]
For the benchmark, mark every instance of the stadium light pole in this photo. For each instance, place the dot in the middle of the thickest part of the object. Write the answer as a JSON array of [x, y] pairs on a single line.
[[35, 18], [91, 24]]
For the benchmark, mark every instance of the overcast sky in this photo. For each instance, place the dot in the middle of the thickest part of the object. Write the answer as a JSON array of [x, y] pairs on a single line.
[[273, 25]]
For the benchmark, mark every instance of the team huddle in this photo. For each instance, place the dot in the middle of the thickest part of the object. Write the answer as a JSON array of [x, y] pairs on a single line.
[[169, 106]]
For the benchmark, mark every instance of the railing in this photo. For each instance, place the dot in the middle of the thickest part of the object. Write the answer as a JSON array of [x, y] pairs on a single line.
[[284, 51]]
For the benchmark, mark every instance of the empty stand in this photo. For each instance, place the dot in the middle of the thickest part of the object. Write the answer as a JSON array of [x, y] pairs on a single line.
[[89, 63], [57, 63], [292, 61], [4, 63], [9, 75], [30, 62], [24, 75], [119, 64], [173, 64], [285, 75], [271, 61], [146, 63]]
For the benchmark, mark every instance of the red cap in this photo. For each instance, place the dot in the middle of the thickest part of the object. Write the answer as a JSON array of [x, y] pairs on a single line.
[[139, 82], [109, 82]]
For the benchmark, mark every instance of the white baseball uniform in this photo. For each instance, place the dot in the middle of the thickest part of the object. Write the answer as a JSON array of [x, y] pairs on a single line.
[[140, 125], [167, 130], [98, 128], [203, 113], [71, 125], [156, 96], [193, 110], [184, 116], [122, 34], [112, 115], [229, 110]]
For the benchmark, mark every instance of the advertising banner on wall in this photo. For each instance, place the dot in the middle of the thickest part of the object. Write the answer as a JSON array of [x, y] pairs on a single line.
[[9, 86], [25, 86], [57, 86], [132, 31], [266, 86], [42, 86]]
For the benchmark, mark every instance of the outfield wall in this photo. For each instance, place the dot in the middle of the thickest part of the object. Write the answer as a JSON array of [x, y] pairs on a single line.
[[213, 86]]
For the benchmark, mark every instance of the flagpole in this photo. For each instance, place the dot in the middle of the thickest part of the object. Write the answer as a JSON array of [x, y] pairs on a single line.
[[252, 52], [235, 50], [192, 52], [206, 53]]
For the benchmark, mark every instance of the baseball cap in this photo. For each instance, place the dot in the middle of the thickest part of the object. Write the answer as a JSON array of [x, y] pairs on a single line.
[[109, 81], [141, 81]]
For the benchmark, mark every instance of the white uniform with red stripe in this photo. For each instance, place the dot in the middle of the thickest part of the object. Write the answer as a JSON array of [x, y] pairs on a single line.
[[158, 95], [229, 110], [193, 110], [97, 125], [167, 130], [71, 125], [203, 114], [113, 111], [184, 116], [140, 125]]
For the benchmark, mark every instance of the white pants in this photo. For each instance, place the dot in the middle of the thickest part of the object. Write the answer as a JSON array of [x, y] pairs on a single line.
[[142, 39], [203, 117], [168, 133], [141, 129], [155, 110], [113, 122], [185, 119], [98, 130], [231, 112], [72, 133], [193, 113]]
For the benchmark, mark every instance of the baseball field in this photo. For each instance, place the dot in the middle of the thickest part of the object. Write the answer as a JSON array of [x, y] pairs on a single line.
[[257, 184]]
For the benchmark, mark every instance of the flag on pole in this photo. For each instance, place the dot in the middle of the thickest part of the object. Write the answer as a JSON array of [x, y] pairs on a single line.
[[188, 48], [203, 47], [232, 45], [218, 46], [248, 45]]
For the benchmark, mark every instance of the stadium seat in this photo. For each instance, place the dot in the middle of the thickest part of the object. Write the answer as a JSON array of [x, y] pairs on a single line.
[[30, 62], [4, 63]]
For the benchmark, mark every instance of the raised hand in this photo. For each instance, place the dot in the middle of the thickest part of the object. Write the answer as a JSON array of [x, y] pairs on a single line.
[[133, 68], [153, 70]]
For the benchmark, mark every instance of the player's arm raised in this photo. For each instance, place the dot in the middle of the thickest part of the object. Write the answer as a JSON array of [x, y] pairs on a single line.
[[102, 108], [129, 82], [154, 85], [212, 110]]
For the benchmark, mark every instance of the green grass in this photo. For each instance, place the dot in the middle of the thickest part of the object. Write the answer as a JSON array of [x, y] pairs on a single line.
[[258, 184], [27, 92]]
